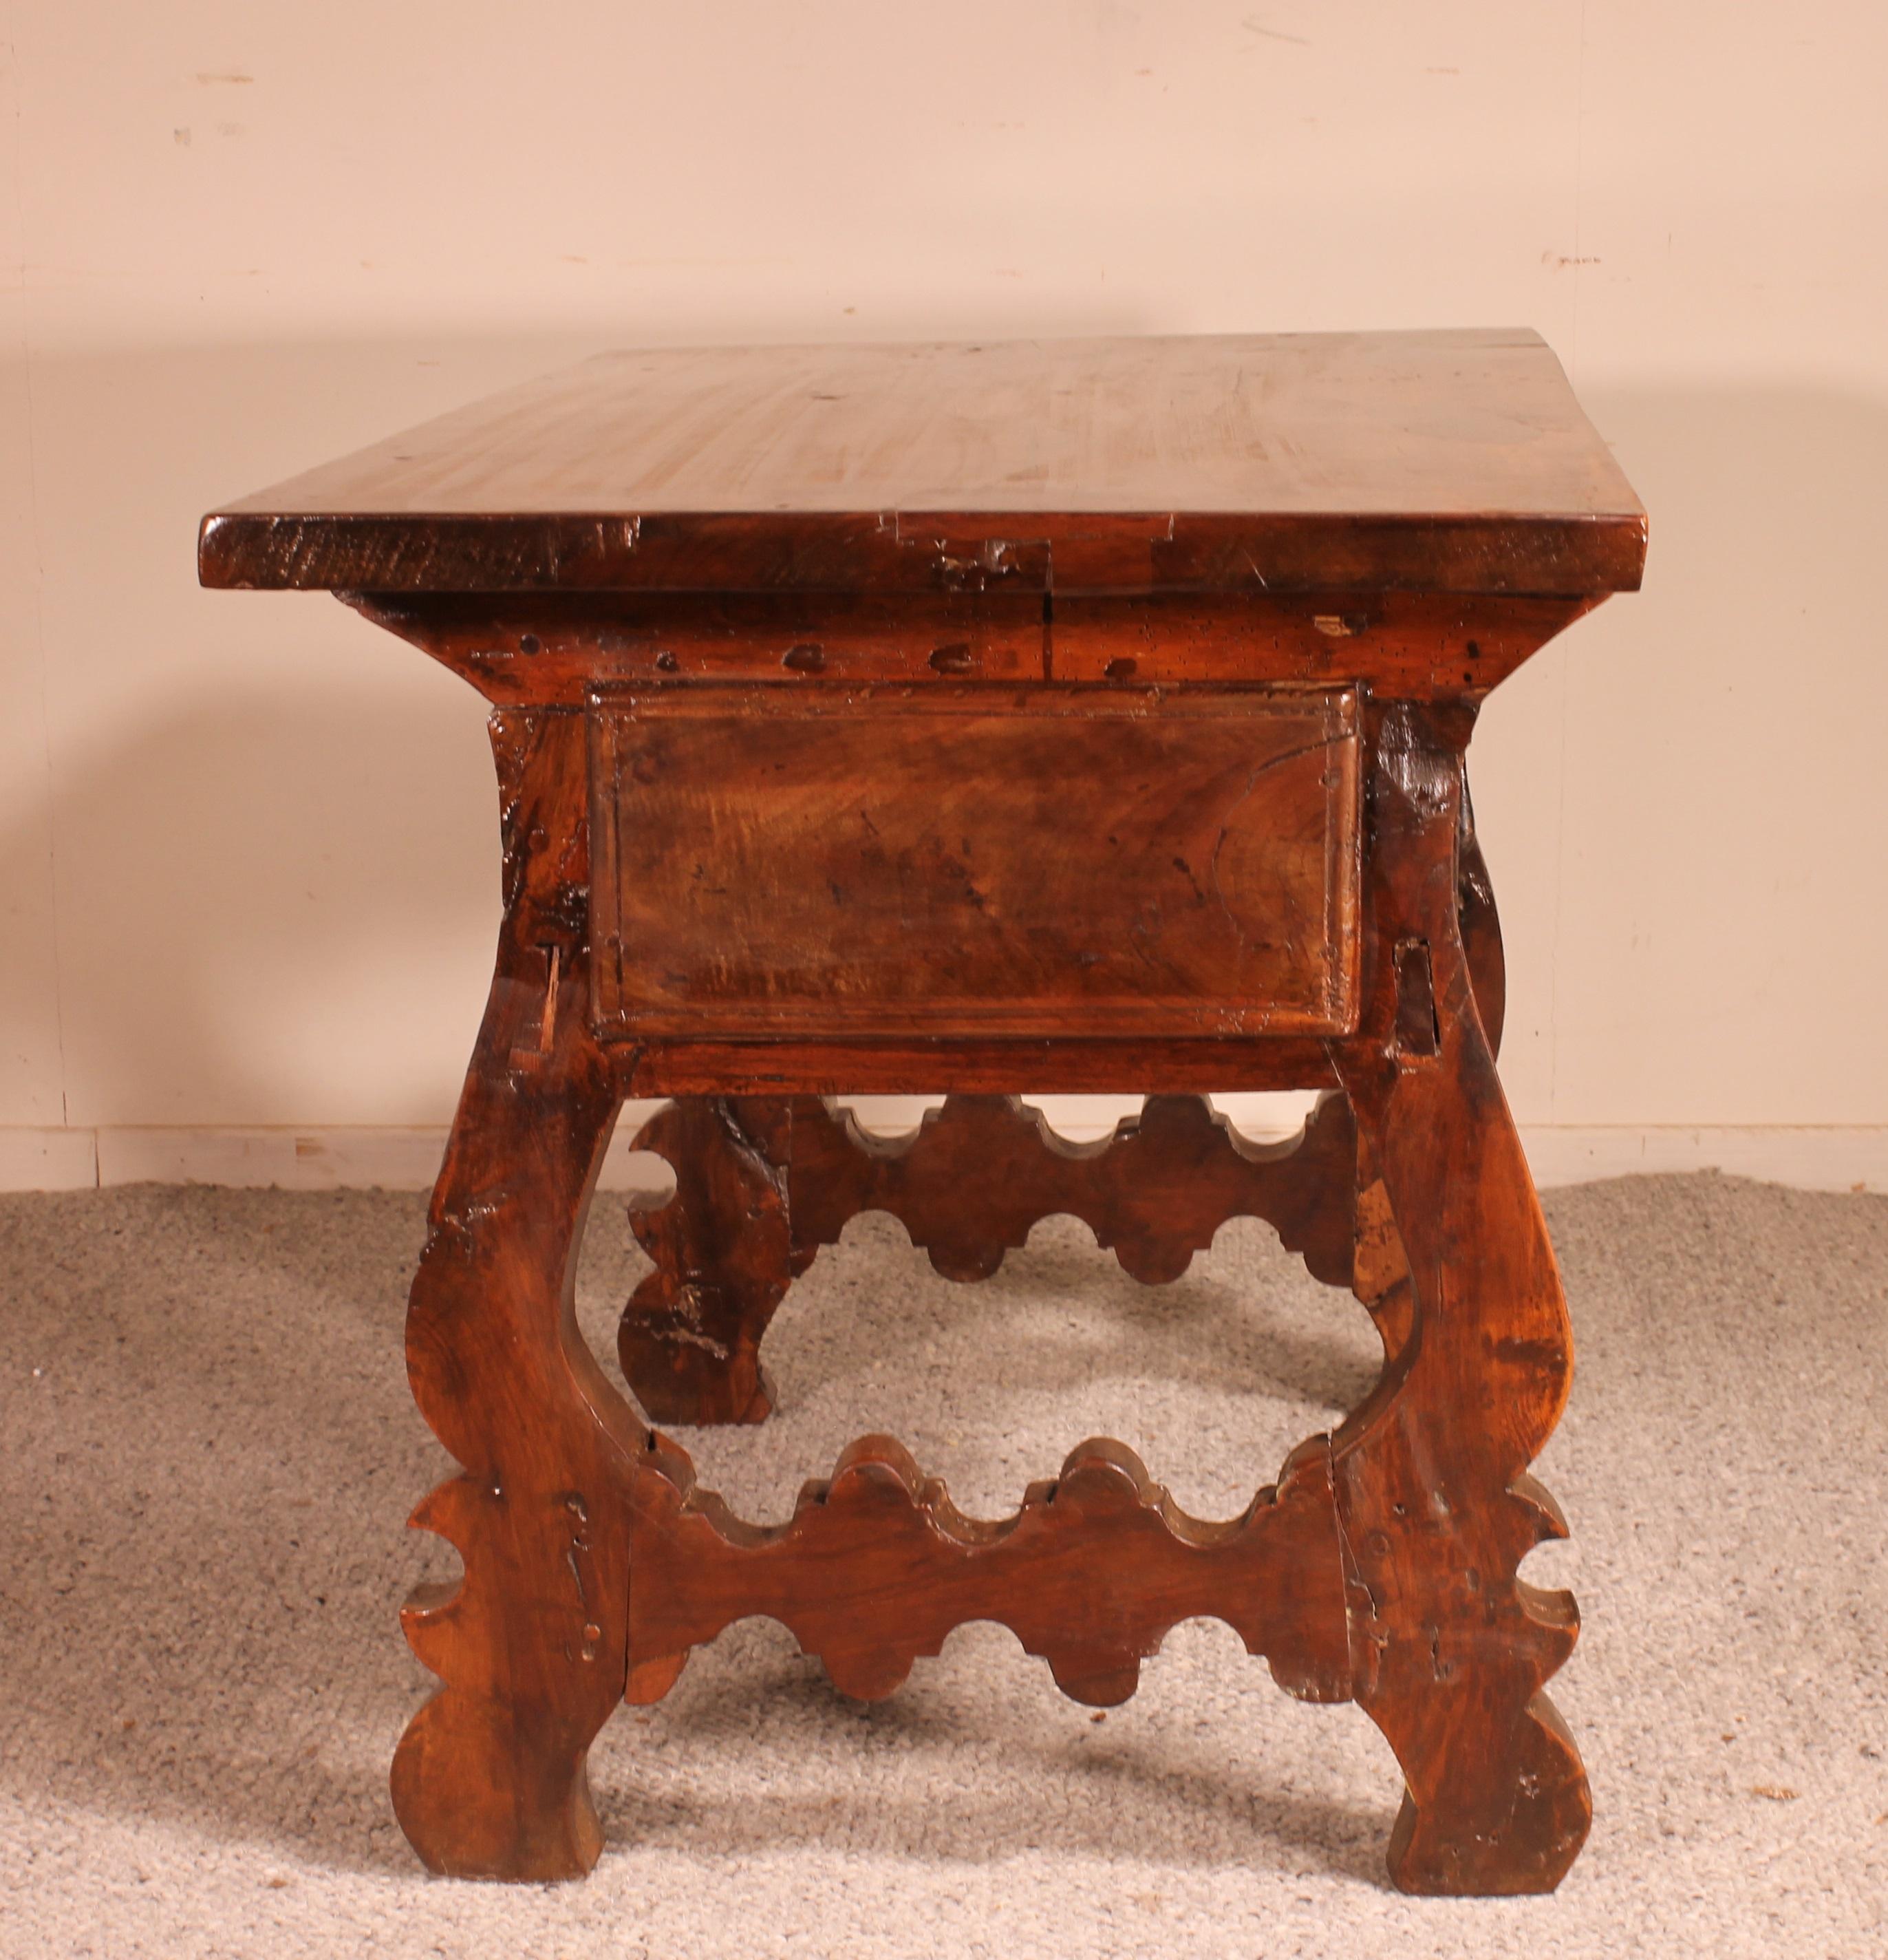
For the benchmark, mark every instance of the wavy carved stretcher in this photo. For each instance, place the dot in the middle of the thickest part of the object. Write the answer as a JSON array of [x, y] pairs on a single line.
[[1078, 716]]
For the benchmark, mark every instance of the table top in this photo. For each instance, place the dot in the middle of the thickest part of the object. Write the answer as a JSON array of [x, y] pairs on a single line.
[[1447, 460]]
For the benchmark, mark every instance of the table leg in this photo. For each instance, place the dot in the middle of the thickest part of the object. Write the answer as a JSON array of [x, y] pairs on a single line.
[[690, 1339], [1380, 1269], [1450, 1648], [488, 1780], [1481, 928]]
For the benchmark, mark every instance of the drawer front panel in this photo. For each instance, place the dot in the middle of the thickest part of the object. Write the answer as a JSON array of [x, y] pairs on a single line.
[[1045, 861]]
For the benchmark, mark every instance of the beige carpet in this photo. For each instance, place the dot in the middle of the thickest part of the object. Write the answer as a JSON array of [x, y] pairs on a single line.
[[208, 1453]]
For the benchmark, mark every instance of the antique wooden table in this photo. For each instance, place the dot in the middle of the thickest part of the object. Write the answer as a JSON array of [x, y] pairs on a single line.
[[1055, 716]]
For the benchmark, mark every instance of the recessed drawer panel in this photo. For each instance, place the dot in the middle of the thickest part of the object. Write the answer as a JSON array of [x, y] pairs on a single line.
[[774, 861]]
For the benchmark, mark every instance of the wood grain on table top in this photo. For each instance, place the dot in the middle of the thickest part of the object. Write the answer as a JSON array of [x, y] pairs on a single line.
[[1457, 459]]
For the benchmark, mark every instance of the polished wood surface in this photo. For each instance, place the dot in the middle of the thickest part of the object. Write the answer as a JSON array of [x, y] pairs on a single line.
[[877, 1567], [1065, 717], [1451, 1645], [963, 859], [1433, 460], [530, 1643]]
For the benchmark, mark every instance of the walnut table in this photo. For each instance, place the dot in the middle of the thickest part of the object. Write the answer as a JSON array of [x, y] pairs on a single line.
[[1055, 716]]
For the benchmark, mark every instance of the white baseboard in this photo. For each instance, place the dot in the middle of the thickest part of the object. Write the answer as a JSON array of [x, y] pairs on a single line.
[[318, 1159], [47, 1159], [1812, 1157]]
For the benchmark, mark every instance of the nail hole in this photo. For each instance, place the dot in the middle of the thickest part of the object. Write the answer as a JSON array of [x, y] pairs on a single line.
[[804, 660], [1121, 669], [953, 659], [528, 644], [666, 663]]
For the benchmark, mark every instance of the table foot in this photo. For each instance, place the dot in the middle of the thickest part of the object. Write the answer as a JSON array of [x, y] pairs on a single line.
[[1505, 1807], [488, 1780], [1435, 1505], [483, 1789]]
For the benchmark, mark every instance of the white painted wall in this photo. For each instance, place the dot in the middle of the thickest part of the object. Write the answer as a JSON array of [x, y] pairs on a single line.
[[247, 869]]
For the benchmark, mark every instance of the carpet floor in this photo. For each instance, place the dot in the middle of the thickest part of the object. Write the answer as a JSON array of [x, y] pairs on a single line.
[[207, 1453]]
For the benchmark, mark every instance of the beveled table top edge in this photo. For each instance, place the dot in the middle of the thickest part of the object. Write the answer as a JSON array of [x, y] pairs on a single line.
[[1232, 553]]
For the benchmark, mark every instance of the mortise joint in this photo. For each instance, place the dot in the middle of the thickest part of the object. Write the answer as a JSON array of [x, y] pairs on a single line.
[[549, 1023], [1418, 1031], [530, 1058]]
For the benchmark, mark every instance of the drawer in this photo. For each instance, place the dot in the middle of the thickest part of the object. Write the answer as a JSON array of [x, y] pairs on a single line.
[[787, 862]]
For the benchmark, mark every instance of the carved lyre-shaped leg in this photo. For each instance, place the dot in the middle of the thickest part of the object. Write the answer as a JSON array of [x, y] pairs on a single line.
[[1437, 1511], [488, 1780], [690, 1339]]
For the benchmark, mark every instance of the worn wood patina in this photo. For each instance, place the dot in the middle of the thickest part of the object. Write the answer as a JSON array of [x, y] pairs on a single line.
[[1086, 715]]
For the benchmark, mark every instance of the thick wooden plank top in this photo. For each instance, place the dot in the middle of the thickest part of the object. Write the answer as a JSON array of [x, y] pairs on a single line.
[[1453, 461]]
